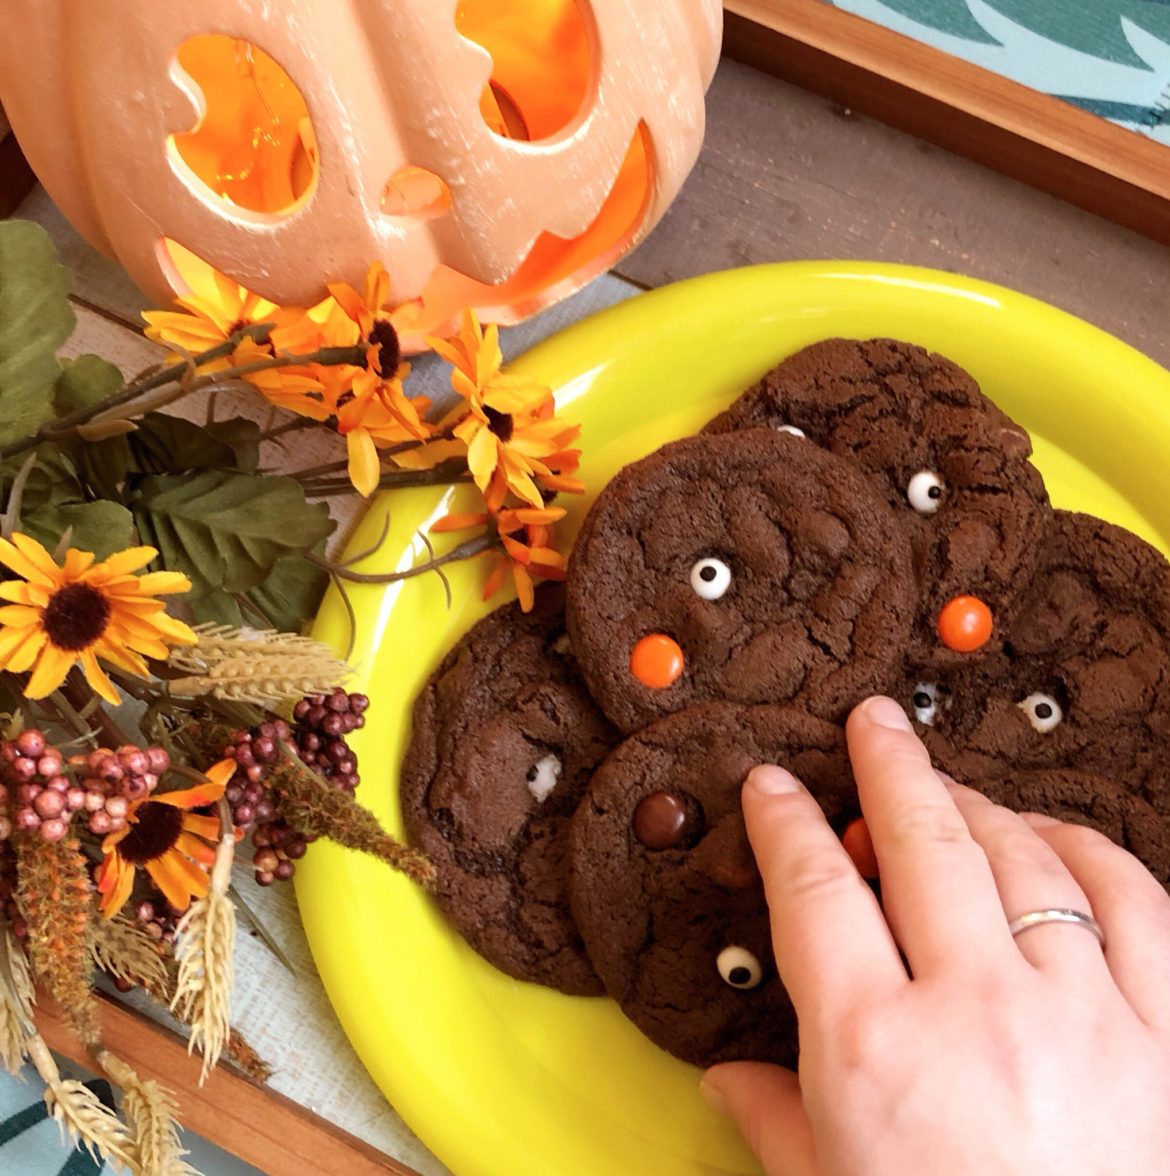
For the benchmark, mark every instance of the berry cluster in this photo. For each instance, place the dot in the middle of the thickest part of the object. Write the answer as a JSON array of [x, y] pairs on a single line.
[[317, 735], [113, 780], [42, 792]]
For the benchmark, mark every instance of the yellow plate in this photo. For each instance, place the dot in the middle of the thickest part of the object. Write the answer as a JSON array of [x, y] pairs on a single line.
[[507, 1079]]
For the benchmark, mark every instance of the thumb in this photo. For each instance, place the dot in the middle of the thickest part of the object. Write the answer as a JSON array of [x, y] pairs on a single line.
[[765, 1103]]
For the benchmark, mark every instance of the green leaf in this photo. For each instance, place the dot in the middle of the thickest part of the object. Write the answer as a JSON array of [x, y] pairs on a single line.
[[243, 436], [291, 594], [216, 608], [53, 479], [227, 530], [168, 444], [35, 319], [85, 381], [101, 527]]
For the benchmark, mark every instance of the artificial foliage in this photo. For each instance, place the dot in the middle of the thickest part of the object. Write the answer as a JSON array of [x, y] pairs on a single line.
[[163, 716]]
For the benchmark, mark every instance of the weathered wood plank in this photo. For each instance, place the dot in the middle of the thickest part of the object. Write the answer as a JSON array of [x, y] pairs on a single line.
[[787, 175], [1048, 143]]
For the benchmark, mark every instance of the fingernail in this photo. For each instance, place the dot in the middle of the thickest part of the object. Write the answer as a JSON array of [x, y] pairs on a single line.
[[885, 712], [712, 1095], [772, 781], [1039, 820]]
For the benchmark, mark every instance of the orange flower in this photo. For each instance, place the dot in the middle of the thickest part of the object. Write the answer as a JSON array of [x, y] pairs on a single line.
[[83, 611], [374, 414], [513, 439], [527, 538], [367, 317], [216, 308], [174, 845]]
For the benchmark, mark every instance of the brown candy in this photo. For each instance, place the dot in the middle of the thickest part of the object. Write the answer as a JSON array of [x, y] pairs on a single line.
[[660, 820]]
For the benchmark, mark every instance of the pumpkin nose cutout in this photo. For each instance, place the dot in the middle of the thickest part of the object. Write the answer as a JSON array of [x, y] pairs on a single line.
[[657, 661], [965, 624]]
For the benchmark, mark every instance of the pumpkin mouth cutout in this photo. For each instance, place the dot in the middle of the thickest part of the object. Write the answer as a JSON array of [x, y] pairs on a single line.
[[542, 63], [254, 143]]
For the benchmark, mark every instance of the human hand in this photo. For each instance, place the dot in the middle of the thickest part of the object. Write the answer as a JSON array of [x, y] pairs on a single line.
[[980, 1053]]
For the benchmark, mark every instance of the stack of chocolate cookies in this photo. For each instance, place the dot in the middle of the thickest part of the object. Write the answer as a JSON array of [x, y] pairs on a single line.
[[862, 520]]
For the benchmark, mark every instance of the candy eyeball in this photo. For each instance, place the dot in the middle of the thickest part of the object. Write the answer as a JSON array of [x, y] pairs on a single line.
[[710, 578], [925, 491], [1043, 711], [542, 777], [791, 429], [927, 701], [739, 968]]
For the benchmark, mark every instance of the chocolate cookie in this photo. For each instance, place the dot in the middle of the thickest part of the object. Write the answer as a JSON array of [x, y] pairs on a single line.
[[943, 455], [664, 886], [1081, 799], [505, 740], [1080, 679], [754, 567]]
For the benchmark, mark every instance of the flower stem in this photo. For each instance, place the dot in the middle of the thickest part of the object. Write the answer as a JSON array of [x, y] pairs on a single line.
[[449, 473], [466, 550]]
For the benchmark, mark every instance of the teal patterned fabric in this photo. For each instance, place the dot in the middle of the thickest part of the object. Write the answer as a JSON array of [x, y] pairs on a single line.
[[31, 1144], [1108, 56]]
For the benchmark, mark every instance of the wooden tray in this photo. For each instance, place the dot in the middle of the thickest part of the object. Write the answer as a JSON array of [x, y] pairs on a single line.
[[1049, 144]]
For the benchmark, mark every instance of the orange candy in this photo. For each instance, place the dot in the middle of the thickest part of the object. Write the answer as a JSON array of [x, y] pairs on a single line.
[[965, 624], [656, 661], [859, 846]]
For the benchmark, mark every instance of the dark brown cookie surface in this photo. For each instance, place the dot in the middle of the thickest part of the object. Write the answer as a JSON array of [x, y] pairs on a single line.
[[664, 886], [1081, 799], [773, 569], [505, 740], [1081, 677], [943, 455]]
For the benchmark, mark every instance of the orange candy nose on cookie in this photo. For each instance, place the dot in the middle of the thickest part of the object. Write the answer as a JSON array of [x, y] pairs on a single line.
[[657, 661], [965, 624]]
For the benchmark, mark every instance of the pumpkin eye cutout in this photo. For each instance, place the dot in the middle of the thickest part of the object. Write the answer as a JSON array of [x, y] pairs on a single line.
[[542, 67], [739, 968], [925, 491], [1043, 711], [710, 578], [254, 144], [927, 702]]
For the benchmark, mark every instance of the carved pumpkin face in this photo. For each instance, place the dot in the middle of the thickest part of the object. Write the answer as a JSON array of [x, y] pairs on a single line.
[[493, 153]]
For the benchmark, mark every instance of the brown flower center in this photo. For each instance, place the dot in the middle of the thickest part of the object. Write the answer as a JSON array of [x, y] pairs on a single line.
[[500, 423], [385, 338], [157, 830], [76, 616]]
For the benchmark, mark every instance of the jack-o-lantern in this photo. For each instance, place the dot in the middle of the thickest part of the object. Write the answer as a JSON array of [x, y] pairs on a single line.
[[495, 154]]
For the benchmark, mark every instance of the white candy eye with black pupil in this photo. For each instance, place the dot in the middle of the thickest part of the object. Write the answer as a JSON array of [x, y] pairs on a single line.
[[739, 967], [925, 491], [710, 578], [1043, 711], [925, 702]]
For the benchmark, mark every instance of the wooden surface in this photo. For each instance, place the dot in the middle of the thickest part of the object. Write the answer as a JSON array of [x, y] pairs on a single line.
[[1029, 136], [262, 1128], [784, 174], [788, 174]]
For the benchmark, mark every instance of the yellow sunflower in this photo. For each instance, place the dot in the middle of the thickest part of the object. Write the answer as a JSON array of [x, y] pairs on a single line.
[[173, 845], [507, 424], [368, 317], [83, 611], [216, 308], [374, 414]]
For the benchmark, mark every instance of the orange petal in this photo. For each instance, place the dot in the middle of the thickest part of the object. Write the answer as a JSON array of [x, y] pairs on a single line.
[[495, 578], [19, 648], [194, 847], [30, 567], [190, 798], [524, 591], [459, 522], [122, 562], [98, 679], [51, 668], [179, 878], [364, 467], [202, 825], [114, 884]]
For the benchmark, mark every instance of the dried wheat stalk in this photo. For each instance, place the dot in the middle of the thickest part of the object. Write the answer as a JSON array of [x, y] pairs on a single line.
[[122, 948], [151, 1110]]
